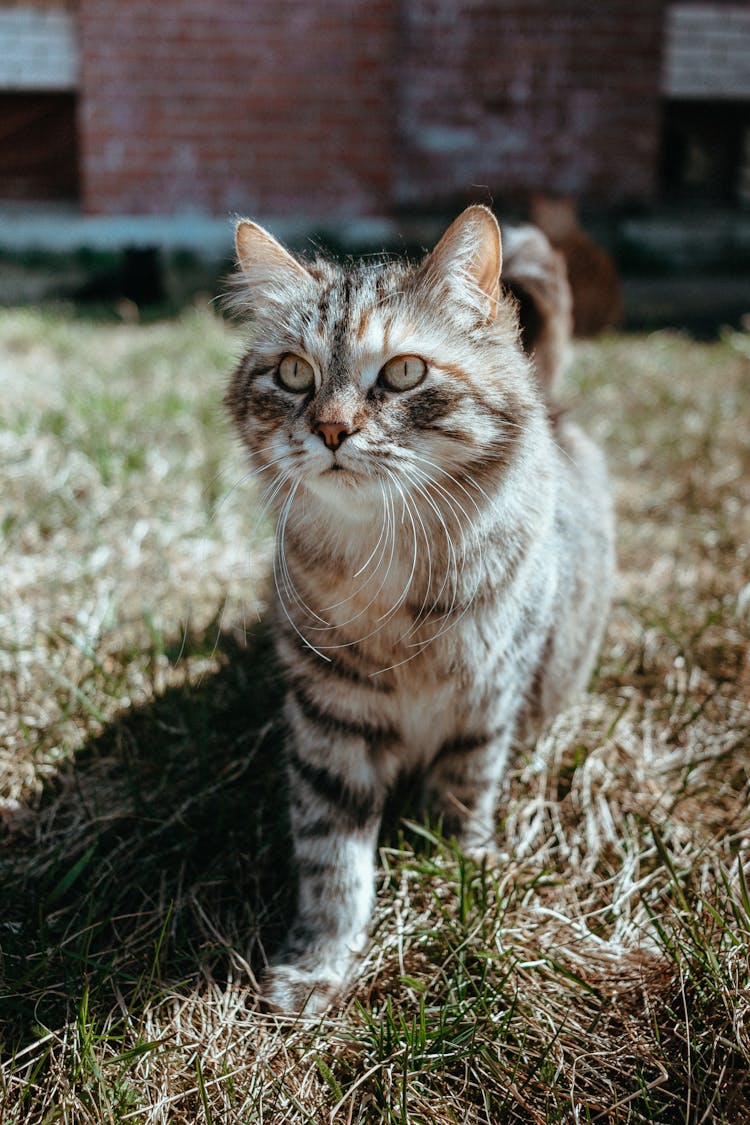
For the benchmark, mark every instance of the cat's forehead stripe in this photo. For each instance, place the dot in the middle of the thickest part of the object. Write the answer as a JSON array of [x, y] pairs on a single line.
[[341, 329], [347, 318], [339, 314], [361, 328]]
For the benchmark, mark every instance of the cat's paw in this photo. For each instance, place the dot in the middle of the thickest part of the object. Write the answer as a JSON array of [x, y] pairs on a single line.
[[293, 990]]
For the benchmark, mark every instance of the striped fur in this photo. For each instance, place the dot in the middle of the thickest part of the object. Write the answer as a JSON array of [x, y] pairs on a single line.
[[442, 574]]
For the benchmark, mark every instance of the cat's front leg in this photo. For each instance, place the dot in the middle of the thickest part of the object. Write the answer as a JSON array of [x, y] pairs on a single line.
[[336, 801], [335, 899], [463, 785]]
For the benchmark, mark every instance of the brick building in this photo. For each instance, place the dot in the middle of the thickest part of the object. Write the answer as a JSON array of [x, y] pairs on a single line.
[[371, 107]]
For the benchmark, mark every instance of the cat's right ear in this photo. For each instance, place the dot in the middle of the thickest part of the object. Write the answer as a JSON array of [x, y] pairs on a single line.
[[264, 263]]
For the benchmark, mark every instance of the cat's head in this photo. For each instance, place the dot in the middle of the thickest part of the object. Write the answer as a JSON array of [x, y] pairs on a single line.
[[382, 373]]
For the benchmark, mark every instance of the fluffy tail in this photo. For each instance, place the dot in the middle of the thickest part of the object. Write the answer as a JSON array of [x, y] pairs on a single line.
[[536, 276]]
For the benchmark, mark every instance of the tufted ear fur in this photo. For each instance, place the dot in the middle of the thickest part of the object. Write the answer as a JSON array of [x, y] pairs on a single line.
[[267, 277], [468, 259], [264, 263]]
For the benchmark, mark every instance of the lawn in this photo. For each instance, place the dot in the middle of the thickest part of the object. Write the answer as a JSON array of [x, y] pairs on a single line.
[[598, 974]]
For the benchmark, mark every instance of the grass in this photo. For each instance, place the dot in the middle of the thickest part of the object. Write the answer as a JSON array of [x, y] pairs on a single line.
[[599, 974]]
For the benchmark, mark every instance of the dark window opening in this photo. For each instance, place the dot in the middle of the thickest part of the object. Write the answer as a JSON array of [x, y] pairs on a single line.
[[705, 150], [38, 147]]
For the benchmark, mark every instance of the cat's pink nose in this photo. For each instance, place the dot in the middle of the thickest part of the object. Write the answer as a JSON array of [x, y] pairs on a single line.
[[332, 433]]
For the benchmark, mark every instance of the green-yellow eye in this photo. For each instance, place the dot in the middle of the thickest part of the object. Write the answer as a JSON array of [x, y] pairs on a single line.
[[296, 374], [402, 373]]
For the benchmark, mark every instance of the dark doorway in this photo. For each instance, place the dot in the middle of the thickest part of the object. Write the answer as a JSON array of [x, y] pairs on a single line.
[[38, 146], [705, 145]]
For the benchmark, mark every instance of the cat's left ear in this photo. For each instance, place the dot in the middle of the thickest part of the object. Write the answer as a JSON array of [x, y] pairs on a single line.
[[468, 258]]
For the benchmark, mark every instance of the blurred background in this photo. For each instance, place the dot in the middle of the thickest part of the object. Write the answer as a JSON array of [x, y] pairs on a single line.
[[130, 133]]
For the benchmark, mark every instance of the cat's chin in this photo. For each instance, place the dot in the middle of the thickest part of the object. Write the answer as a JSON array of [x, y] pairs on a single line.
[[350, 493]]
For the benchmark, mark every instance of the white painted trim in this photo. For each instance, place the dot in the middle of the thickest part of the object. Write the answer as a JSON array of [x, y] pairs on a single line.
[[707, 51], [38, 47]]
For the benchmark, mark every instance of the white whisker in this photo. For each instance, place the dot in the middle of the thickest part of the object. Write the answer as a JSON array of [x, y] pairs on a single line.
[[282, 602], [451, 561], [281, 553], [374, 597]]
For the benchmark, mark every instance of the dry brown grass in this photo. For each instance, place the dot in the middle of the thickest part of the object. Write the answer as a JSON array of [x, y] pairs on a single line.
[[600, 973]]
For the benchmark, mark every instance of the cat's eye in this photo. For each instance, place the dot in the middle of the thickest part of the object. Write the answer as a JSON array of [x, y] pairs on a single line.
[[296, 374], [402, 373]]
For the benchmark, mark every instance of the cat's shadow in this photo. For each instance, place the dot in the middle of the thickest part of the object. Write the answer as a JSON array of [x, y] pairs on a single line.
[[162, 859], [161, 856]]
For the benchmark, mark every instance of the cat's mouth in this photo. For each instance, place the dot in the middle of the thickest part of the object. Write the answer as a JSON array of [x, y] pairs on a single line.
[[340, 475], [337, 467], [343, 474]]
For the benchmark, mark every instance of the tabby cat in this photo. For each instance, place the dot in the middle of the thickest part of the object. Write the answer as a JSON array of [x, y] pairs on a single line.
[[443, 552]]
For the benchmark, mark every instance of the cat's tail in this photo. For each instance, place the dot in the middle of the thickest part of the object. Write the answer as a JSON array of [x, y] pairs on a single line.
[[535, 274]]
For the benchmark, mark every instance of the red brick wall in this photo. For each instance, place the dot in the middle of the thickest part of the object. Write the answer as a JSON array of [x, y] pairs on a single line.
[[250, 105], [523, 95], [351, 107]]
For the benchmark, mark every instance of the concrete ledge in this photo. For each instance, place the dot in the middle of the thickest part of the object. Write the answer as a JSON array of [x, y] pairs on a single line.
[[53, 229], [667, 240]]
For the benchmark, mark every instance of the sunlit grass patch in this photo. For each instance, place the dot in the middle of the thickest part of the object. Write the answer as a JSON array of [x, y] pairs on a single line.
[[599, 972]]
